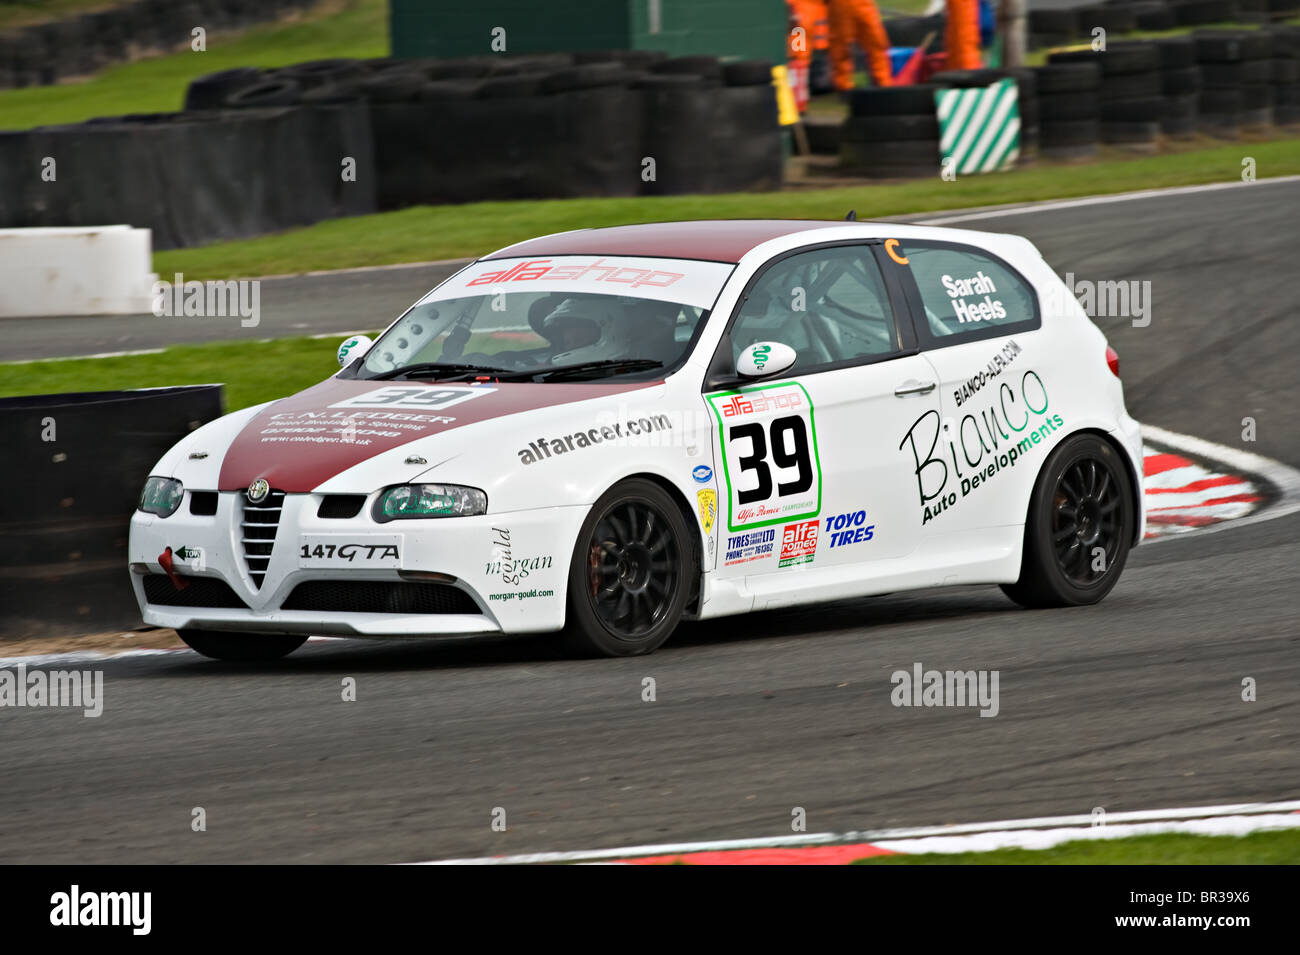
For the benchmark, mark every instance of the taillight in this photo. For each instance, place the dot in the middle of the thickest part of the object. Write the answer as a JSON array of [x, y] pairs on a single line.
[[1112, 360]]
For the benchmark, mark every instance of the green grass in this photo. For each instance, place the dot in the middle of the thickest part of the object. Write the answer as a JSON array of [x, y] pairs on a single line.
[[441, 232], [906, 8], [253, 371], [356, 28], [1257, 848]]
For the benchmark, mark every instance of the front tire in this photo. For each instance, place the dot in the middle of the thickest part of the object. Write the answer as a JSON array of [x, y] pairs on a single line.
[[241, 647], [1079, 528], [631, 572]]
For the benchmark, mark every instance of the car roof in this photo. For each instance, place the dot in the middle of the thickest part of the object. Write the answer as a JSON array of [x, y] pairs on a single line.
[[713, 240]]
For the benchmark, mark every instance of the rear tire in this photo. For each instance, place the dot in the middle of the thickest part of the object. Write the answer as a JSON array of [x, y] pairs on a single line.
[[631, 573], [1082, 501], [241, 647]]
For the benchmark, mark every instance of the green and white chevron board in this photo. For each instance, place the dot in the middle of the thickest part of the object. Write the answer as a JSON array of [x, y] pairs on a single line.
[[979, 128]]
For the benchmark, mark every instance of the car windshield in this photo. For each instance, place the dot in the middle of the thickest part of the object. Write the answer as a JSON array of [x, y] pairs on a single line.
[[553, 319]]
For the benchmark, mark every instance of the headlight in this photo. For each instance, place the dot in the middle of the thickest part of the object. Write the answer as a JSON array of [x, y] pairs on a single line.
[[161, 496], [429, 500]]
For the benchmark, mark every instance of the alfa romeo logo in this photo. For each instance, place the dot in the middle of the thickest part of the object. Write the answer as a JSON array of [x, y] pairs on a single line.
[[258, 490]]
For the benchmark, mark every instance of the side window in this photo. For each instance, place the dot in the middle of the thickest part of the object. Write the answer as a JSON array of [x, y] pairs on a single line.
[[969, 294], [829, 305]]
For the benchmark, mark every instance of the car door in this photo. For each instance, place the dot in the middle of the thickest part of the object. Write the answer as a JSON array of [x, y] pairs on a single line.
[[811, 474], [978, 322]]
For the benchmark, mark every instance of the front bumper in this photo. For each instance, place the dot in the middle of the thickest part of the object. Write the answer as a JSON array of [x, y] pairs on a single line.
[[496, 573]]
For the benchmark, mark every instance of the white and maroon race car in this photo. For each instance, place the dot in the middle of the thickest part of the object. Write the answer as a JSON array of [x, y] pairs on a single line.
[[603, 432]]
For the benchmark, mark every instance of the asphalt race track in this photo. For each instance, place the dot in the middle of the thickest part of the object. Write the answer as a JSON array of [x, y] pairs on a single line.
[[1133, 704]]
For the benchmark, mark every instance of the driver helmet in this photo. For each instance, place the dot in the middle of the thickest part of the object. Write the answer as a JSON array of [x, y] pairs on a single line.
[[587, 329]]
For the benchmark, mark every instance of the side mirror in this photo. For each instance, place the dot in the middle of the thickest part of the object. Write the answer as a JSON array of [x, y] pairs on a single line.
[[764, 359], [353, 348]]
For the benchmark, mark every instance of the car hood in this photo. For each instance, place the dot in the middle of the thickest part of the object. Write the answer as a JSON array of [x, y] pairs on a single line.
[[300, 442]]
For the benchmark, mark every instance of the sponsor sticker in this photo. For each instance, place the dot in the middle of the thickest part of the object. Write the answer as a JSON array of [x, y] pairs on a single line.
[[798, 544], [507, 566], [685, 281], [768, 437], [743, 548], [708, 505], [336, 550], [850, 528], [423, 397], [702, 474], [1004, 425]]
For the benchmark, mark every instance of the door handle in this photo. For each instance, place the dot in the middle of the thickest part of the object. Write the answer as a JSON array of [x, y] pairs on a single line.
[[914, 387]]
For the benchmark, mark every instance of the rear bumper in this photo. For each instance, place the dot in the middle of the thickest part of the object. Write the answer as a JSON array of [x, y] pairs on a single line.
[[1128, 433]]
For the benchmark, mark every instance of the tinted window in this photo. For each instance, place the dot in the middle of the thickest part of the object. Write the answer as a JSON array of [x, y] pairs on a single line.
[[967, 293], [829, 305]]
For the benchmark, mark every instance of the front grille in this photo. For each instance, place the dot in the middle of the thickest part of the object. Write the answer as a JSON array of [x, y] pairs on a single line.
[[365, 596], [257, 534], [201, 592]]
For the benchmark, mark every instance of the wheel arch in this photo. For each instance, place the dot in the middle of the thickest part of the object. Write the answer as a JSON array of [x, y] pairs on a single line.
[[1134, 478], [688, 515]]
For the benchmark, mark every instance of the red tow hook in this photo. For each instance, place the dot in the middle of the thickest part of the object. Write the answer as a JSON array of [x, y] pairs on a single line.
[[165, 562]]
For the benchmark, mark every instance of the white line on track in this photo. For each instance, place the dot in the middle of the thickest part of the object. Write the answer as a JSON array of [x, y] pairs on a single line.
[[1076, 826], [102, 354], [1054, 205]]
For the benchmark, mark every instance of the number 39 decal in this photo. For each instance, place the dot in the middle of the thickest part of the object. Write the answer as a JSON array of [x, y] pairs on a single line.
[[769, 454]]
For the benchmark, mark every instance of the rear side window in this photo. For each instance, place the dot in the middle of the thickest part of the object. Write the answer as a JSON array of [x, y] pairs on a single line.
[[968, 294]]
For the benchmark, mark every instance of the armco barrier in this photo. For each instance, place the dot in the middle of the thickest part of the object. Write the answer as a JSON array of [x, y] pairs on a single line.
[[74, 467]]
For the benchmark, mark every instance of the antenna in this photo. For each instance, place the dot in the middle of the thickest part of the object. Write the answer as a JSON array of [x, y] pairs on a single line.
[[852, 216]]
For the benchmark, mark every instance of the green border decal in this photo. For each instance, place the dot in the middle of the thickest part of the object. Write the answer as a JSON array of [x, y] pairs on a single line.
[[726, 467]]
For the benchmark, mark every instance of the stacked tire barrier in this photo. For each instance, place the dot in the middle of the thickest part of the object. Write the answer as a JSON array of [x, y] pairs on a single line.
[[1057, 27], [1114, 18], [1180, 85], [1131, 98], [1286, 76], [891, 133], [1236, 74], [1030, 113], [539, 126], [77, 46], [75, 465], [257, 151], [1201, 12], [1069, 107], [192, 177]]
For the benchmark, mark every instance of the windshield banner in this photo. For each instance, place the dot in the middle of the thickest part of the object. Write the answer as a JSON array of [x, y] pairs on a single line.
[[683, 281]]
